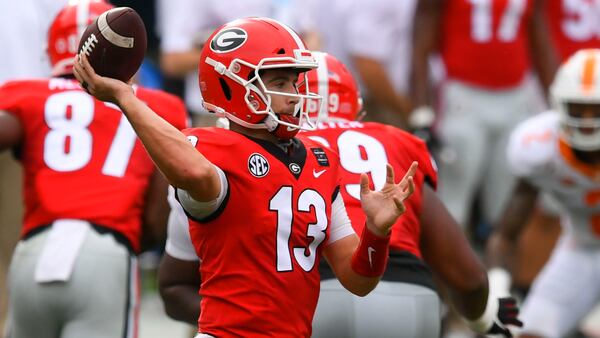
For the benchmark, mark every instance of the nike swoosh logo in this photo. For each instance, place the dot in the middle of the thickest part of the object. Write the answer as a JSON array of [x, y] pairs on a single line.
[[316, 174], [370, 250]]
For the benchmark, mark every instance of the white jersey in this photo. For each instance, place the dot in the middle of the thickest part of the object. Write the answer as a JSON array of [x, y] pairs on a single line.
[[537, 154]]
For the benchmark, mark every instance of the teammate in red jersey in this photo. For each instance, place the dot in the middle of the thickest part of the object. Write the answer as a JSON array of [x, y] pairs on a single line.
[[264, 206], [489, 48], [90, 193], [405, 299], [573, 25]]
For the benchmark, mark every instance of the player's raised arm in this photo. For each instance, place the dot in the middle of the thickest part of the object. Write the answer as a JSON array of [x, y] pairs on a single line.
[[359, 264], [179, 161]]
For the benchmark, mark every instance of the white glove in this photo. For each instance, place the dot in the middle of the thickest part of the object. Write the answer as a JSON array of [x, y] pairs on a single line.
[[421, 117]]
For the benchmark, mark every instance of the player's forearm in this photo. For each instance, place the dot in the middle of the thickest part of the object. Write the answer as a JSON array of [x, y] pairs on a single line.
[[340, 256], [543, 53], [471, 304], [355, 283], [182, 303], [183, 166], [425, 38], [514, 218]]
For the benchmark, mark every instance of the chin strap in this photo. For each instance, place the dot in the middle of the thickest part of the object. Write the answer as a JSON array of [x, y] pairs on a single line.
[[270, 123]]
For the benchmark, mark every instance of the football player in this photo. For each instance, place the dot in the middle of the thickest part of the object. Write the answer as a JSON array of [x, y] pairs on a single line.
[[488, 89], [558, 152], [263, 205], [404, 303], [91, 192], [572, 25]]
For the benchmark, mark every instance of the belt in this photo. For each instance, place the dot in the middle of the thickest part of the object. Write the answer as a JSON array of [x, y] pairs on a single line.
[[119, 237]]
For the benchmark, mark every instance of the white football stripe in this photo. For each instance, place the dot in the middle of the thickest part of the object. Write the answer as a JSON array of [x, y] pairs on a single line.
[[112, 36]]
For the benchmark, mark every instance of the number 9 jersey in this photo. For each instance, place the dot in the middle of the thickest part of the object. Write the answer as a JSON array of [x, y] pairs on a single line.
[[366, 148], [81, 157]]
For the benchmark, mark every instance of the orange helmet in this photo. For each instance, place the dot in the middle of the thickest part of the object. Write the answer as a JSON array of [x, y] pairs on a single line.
[[332, 81], [230, 74], [67, 28]]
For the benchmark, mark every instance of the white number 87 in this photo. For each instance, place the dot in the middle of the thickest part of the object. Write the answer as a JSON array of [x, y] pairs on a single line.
[[68, 144]]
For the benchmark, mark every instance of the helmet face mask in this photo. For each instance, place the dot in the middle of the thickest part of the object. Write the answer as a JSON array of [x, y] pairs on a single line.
[[66, 29], [232, 70], [575, 95], [581, 125]]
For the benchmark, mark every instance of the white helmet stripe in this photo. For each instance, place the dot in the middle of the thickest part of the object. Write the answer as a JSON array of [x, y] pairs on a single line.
[[323, 81], [83, 13]]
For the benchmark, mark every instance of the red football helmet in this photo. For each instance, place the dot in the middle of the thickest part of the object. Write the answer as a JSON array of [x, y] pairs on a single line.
[[67, 28], [230, 74], [332, 81]]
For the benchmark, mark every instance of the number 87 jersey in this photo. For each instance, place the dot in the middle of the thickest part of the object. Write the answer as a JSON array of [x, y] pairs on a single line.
[[366, 148], [81, 157]]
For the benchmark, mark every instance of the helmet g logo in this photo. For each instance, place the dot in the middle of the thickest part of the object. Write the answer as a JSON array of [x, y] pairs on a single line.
[[228, 40]]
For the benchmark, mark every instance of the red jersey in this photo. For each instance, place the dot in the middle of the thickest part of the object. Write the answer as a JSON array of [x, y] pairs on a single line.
[[260, 250], [367, 147], [573, 25], [81, 157], [485, 42]]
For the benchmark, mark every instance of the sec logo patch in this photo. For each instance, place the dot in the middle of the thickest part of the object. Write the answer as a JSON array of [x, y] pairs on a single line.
[[258, 165]]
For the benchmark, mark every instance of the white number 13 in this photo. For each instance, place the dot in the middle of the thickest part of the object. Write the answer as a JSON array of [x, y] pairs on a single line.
[[282, 204]]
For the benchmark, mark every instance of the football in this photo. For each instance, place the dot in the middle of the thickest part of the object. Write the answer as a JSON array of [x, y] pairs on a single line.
[[115, 43]]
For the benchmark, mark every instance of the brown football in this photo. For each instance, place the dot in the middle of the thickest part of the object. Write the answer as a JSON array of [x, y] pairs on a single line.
[[115, 43]]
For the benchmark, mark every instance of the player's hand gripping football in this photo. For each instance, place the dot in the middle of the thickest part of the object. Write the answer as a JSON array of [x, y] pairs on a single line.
[[383, 207], [103, 88]]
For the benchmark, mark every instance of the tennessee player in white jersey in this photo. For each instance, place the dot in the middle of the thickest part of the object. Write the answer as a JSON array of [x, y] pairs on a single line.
[[558, 152]]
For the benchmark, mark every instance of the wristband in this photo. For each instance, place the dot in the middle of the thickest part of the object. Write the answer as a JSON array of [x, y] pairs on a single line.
[[370, 258], [422, 117], [499, 282]]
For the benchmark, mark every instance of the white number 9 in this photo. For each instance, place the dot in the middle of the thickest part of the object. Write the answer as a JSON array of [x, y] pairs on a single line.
[[350, 144]]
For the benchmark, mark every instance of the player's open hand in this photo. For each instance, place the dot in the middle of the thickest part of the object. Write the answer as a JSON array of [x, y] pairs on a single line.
[[383, 207], [103, 88]]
